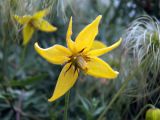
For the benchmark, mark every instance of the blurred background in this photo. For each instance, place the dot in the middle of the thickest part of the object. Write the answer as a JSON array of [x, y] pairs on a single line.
[[27, 80]]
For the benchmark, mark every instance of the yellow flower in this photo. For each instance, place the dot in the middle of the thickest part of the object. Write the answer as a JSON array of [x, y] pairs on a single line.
[[31, 23], [80, 55]]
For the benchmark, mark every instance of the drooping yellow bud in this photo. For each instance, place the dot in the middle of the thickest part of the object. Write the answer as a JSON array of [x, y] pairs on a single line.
[[153, 114]]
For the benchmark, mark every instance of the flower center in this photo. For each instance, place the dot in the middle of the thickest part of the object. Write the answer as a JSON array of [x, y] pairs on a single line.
[[35, 23], [80, 62]]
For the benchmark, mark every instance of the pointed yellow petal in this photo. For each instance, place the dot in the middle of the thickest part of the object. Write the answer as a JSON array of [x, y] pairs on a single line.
[[41, 14], [56, 54], [22, 19], [70, 43], [102, 51], [98, 45], [43, 25], [86, 37], [27, 33], [99, 68], [65, 81]]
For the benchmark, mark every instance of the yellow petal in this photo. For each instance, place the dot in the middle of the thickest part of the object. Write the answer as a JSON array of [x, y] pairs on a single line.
[[99, 68], [22, 19], [86, 37], [27, 33], [65, 81], [43, 25], [70, 43], [102, 51], [41, 14], [98, 45], [56, 54]]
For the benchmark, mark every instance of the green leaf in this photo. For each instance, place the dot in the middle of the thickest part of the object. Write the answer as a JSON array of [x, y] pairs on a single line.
[[28, 81], [2, 97]]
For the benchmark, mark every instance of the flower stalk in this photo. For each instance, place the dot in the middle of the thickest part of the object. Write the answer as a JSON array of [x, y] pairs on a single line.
[[66, 105], [24, 52], [142, 110], [121, 90]]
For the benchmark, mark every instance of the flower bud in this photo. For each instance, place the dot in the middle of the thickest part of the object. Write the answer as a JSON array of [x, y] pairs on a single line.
[[153, 114]]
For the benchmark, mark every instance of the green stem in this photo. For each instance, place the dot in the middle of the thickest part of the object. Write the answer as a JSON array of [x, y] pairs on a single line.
[[4, 50], [66, 105], [117, 94], [146, 106], [4, 66], [23, 55]]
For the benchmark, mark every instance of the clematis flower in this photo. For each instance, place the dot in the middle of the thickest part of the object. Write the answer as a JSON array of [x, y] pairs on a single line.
[[81, 54], [31, 23]]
